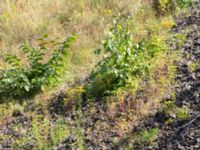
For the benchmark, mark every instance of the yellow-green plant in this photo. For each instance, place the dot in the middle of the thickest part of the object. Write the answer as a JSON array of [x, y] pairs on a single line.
[[172, 109], [193, 66], [148, 136]]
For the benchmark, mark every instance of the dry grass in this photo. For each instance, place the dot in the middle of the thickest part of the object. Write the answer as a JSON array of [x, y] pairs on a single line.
[[26, 20], [22, 20]]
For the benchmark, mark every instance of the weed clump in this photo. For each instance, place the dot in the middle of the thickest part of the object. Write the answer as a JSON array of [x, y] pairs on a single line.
[[175, 112], [148, 137]]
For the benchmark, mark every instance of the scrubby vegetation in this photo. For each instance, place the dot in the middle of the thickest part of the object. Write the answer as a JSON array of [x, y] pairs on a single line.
[[94, 90], [22, 79]]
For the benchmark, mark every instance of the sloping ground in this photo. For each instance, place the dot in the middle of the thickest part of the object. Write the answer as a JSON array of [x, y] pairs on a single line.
[[182, 134], [186, 135], [102, 125], [98, 125]]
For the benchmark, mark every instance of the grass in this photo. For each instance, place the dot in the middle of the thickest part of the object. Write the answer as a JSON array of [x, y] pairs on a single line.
[[142, 138]]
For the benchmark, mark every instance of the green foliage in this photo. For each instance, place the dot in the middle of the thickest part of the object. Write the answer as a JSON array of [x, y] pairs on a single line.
[[172, 110], [169, 107], [44, 134], [124, 62], [184, 3], [23, 79], [149, 136], [193, 66], [182, 113]]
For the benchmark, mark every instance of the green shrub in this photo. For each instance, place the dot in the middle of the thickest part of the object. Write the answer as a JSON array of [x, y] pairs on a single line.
[[25, 79], [124, 62]]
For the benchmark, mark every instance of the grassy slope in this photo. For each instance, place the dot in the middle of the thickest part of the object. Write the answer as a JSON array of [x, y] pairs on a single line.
[[25, 20]]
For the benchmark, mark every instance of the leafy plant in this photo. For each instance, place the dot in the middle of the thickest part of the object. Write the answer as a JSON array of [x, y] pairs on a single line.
[[24, 79], [182, 113], [124, 62], [169, 107]]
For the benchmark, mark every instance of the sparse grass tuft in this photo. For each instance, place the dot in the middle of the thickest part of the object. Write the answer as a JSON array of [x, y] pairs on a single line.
[[175, 112], [148, 136], [193, 66]]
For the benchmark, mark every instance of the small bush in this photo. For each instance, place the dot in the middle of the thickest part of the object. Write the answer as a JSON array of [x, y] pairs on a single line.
[[25, 79], [124, 62]]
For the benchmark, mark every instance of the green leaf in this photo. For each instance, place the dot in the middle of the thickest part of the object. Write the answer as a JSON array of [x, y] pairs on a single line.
[[27, 88], [71, 39]]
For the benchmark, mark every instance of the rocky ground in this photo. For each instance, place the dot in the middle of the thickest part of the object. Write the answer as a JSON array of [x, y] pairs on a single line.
[[186, 135], [183, 134]]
